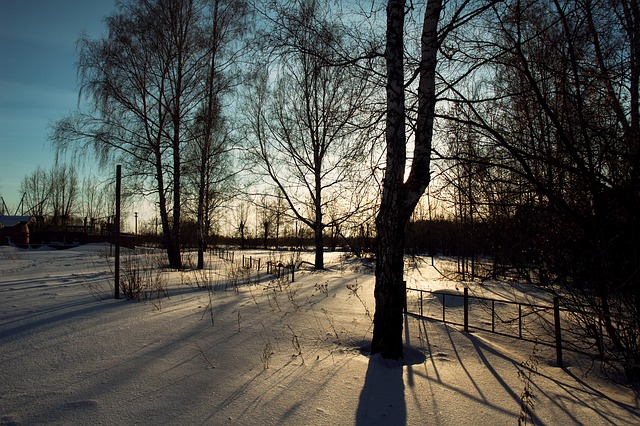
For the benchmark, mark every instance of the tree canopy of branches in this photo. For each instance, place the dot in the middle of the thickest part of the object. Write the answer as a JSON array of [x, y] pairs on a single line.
[[51, 196], [304, 117], [554, 107], [150, 82]]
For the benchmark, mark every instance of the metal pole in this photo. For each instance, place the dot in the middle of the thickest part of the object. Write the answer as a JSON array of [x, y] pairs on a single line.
[[117, 231], [444, 304], [466, 309], [404, 287], [493, 316], [556, 320], [519, 320], [600, 338]]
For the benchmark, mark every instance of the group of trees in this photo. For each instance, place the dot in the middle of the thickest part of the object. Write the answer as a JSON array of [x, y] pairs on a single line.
[[544, 145], [525, 111], [156, 87], [57, 198], [306, 120]]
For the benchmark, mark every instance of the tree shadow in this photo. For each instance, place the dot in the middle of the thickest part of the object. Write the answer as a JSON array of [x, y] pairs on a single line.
[[382, 399], [382, 396], [575, 391]]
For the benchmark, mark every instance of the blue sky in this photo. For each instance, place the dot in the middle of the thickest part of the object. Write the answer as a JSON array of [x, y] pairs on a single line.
[[38, 84]]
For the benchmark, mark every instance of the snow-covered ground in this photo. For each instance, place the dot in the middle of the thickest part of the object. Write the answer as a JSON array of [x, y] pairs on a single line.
[[234, 348]]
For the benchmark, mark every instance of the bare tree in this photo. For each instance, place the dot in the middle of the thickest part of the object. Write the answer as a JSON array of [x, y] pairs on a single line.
[[304, 121], [401, 191], [400, 196], [242, 215], [267, 217], [144, 81], [559, 116], [94, 200], [64, 189], [36, 190], [213, 142]]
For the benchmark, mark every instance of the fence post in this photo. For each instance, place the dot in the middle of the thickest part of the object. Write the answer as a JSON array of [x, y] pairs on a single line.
[[421, 299], [556, 320], [493, 316], [466, 310], [444, 303], [600, 338], [293, 272], [520, 320], [404, 288]]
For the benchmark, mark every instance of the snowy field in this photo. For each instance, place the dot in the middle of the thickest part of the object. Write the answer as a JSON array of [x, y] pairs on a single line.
[[236, 347]]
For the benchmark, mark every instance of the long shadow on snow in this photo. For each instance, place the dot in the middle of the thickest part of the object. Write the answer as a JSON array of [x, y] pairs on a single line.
[[149, 364], [429, 349], [584, 395], [589, 397], [382, 399], [482, 348], [43, 317]]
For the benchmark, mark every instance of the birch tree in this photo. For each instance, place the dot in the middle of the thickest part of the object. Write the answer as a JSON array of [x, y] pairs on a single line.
[[405, 181], [143, 82], [304, 115], [399, 197]]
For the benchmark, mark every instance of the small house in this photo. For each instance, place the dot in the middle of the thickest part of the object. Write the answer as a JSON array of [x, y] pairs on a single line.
[[15, 230]]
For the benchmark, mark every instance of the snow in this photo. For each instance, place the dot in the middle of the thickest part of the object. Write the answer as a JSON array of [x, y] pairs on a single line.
[[251, 350]]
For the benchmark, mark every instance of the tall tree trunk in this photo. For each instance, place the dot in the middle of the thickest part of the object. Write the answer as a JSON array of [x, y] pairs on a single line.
[[175, 260], [202, 187], [389, 295], [399, 198], [319, 243], [162, 206], [206, 147], [318, 227], [389, 290]]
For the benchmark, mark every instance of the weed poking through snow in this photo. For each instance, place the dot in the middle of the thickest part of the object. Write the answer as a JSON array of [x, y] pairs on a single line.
[[526, 372], [354, 289], [296, 344], [205, 357], [267, 352]]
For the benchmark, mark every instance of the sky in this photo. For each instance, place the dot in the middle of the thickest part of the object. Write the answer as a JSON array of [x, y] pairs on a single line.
[[38, 83]]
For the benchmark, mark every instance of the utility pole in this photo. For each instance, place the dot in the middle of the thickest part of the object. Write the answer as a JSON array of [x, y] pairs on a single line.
[[117, 231]]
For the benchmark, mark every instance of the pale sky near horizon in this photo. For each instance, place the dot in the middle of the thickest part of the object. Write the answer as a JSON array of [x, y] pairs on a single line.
[[38, 84]]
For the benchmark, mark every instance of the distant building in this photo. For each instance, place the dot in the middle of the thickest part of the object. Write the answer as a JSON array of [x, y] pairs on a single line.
[[15, 230]]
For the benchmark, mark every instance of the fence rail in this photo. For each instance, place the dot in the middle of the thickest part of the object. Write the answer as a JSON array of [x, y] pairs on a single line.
[[277, 269], [492, 315]]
